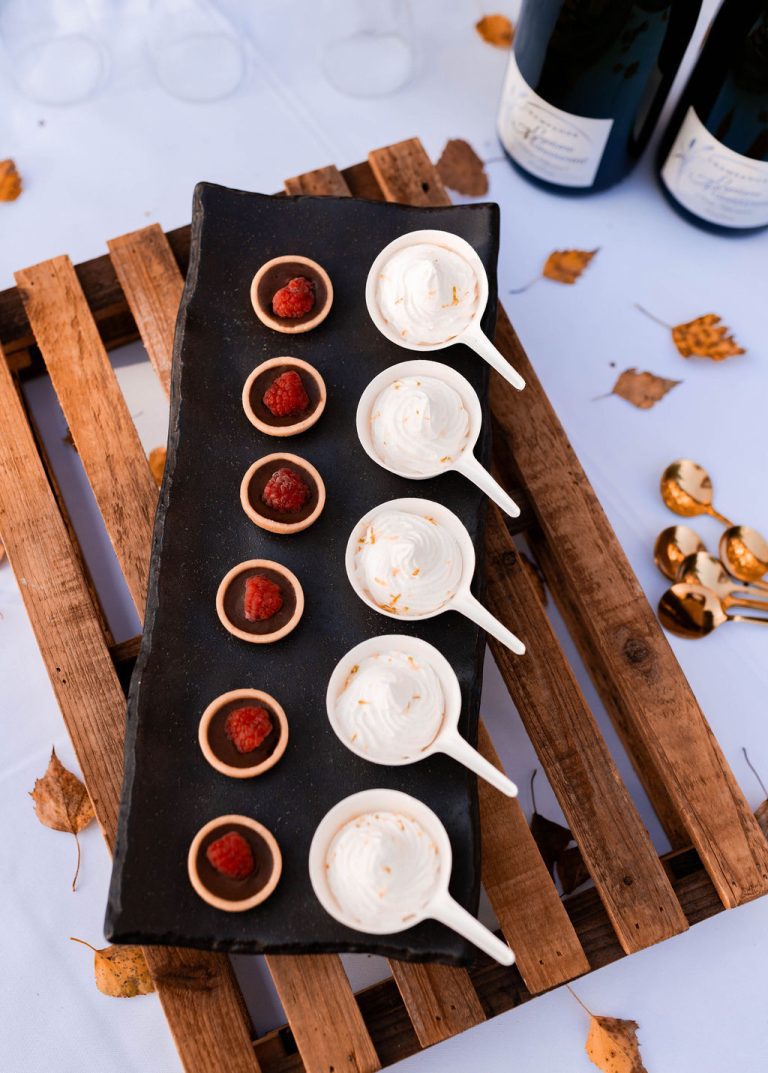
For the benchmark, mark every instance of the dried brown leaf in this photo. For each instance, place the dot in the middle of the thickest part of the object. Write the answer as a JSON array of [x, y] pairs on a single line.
[[612, 1045], [705, 337], [62, 802], [157, 464], [10, 181], [461, 169], [571, 870], [565, 266], [496, 30], [551, 838], [644, 389], [761, 815], [120, 971]]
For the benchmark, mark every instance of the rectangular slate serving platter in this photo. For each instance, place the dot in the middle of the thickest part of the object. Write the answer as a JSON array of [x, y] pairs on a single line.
[[187, 658]]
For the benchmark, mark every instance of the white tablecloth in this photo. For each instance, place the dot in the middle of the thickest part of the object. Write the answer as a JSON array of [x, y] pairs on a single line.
[[131, 157]]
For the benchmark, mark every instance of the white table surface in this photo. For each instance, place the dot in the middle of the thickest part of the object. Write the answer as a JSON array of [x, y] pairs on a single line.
[[131, 157]]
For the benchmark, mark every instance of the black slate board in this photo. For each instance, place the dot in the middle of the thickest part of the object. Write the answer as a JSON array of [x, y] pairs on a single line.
[[187, 658]]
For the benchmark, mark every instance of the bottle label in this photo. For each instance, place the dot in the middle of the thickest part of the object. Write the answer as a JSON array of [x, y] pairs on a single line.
[[554, 145], [714, 182]]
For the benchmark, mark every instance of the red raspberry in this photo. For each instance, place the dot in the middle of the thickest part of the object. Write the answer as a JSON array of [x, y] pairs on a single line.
[[247, 728], [295, 299], [262, 599], [286, 395], [231, 855], [286, 491]]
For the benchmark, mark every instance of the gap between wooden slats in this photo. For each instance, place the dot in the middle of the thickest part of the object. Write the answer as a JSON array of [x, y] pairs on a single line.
[[209, 1019]]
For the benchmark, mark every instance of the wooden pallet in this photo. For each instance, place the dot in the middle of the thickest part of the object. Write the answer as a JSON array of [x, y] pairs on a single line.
[[62, 320]]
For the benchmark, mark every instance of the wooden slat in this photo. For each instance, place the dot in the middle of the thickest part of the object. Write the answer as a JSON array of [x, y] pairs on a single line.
[[323, 1014], [152, 282], [441, 1001], [405, 174], [616, 847], [96, 412], [521, 890], [323, 181], [198, 990], [630, 659]]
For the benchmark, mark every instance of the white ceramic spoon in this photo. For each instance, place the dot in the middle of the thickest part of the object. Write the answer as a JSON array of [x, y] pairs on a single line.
[[465, 461], [462, 599], [472, 335], [448, 740], [439, 906]]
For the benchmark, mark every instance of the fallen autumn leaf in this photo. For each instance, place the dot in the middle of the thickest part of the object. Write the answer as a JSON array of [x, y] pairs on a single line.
[[496, 30], [62, 803], [10, 181], [157, 463], [461, 169], [562, 266], [120, 971], [612, 1045], [702, 337], [643, 390]]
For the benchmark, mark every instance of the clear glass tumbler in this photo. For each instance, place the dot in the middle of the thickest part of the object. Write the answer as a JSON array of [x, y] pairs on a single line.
[[195, 51], [369, 49], [52, 49]]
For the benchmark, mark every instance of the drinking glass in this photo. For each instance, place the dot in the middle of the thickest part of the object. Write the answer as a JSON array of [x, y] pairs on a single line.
[[53, 51], [194, 49], [368, 50]]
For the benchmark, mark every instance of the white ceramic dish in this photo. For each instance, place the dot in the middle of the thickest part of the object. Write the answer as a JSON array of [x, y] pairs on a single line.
[[440, 906], [473, 335], [462, 600], [465, 462], [448, 740]]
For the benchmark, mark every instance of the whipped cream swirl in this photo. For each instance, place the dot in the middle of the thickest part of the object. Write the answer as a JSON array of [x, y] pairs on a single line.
[[408, 564], [419, 425], [391, 707], [427, 293], [382, 869]]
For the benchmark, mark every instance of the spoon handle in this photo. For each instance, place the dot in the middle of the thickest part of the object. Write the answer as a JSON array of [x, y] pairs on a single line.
[[747, 618], [473, 609], [450, 913], [455, 746], [482, 345], [479, 475], [720, 517], [754, 605]]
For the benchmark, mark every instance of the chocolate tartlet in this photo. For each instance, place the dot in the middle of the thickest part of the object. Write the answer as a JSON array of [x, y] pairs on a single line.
[[222, 750], [278, 274], [264, 377], [263, 502], [235, 593], [223, 891]]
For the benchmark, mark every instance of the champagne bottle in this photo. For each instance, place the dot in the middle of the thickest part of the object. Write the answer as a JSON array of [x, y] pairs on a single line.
[[585, 85], [714, 155]]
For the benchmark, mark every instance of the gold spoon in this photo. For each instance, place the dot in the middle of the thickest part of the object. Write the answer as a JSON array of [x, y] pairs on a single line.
[[745, 553], [686, 488], [672, 546], [704, 569], [693, 611]]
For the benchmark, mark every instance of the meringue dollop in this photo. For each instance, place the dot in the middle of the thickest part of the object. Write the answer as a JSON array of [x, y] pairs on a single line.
[[427, 293], [419, 425]]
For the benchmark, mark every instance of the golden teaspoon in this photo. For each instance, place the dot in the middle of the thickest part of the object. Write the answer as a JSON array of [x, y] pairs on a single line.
[[693, 611], [672, 546], [686, 488], [744, 552], [704, 569]]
